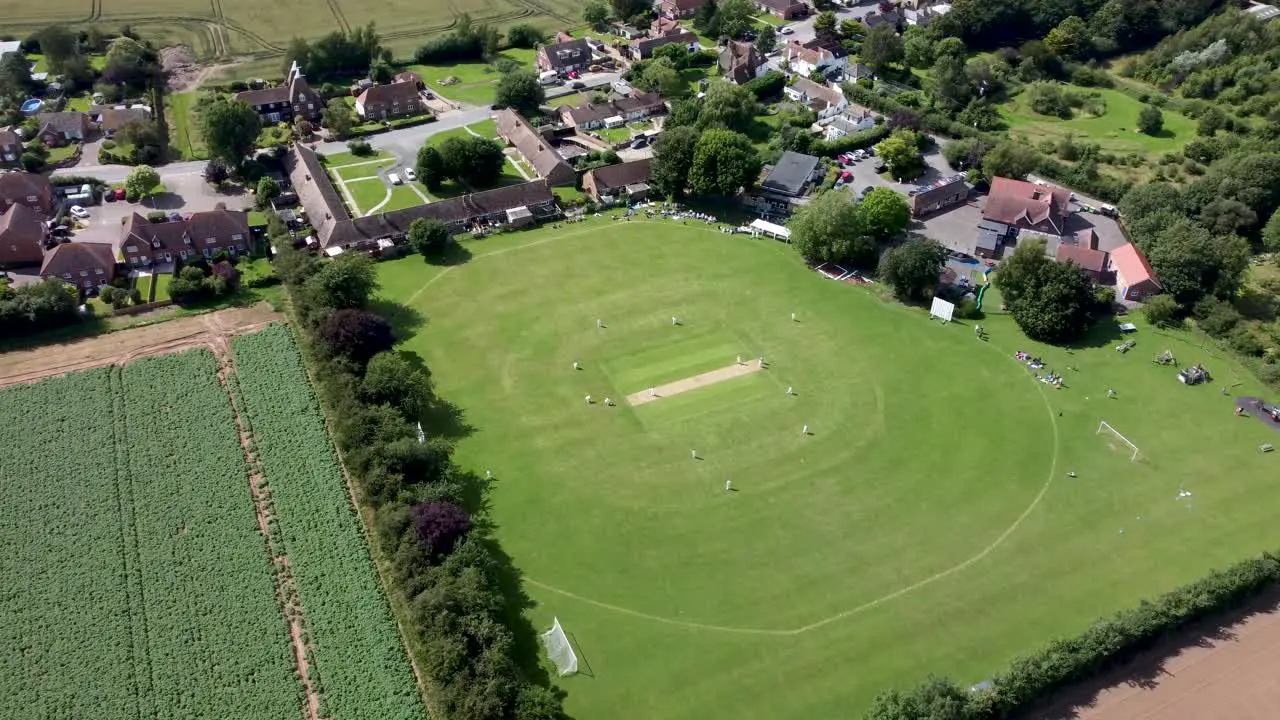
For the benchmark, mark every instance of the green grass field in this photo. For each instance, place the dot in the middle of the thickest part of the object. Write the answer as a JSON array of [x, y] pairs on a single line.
[[367, 194], [183, 126], [927, 524], [477, 80], [1115, 131]]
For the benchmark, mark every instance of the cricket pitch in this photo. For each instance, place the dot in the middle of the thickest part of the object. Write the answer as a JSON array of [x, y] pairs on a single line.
[[693, 383]]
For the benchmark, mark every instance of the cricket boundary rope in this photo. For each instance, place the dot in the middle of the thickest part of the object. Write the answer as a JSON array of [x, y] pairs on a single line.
[[981, 555]]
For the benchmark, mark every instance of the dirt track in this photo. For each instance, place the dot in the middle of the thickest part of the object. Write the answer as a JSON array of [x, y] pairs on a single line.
[[210, 330], [693, 383], [1229, 671]]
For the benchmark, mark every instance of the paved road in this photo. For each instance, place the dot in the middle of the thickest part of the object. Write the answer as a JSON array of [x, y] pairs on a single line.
[[590, 81], [803, 29]]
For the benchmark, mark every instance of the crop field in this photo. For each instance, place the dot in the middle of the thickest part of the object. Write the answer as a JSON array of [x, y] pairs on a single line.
[[943, 513], [227, 28], [139, 582]]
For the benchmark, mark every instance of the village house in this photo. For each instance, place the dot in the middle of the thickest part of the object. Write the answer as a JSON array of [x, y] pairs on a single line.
[[785, 9], [824, 100], [803, 58], [112, 120], [1091, 261], [60, 128], [85, 265], [534, 147], [383, 102], [852, 119], [1020, 204], [1135, 280], [740, 62], [22, 236], [563, 57], [628, 179], [939, 195], [294, 98], [30, 189], [10, 146], [680, 8], [629, 109], [203, 234], [663, 25], [643, 48]]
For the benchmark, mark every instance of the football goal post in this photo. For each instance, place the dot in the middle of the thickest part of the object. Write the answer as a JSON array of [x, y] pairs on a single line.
[[559, 650], [1104, 428]]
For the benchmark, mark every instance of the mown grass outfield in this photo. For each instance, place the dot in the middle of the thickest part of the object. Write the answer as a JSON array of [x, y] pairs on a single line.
[[928, 523]]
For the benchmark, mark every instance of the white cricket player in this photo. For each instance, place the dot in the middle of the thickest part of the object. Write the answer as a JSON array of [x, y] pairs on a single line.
[[804, 430], [588, 399], [693, 454], [675, 320], [728, 485], [739, 359], [576, 366], [599, 323], [761, 361], [653, 392], [790, 392], [488, 474], [607, 402], [793, 317]]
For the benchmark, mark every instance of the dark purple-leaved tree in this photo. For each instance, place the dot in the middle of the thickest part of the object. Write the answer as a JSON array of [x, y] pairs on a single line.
[[356, 334], [440, 525]]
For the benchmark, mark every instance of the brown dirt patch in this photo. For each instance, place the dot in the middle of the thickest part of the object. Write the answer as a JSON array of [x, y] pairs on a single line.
[[693, 383], [1228, 668], [210, 330]]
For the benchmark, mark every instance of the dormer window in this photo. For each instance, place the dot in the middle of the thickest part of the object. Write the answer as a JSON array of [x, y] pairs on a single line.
[[186, 240], [155, 243]]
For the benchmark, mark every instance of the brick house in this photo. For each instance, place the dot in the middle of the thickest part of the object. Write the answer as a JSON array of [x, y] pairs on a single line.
[[203, 234], [563, 57], [805, 57], [1135, 280], [680, 8], [383, 102], [939, 195], [30, 189], [22, 236], [10, 146], [740, 62], [593, 115], [534, 146], [824, 100], [643, 49], [1092, 262], [294, 98], [1028, 206], [82, 264], [629, 178], [114, 119], [785, 9], [60, 128]]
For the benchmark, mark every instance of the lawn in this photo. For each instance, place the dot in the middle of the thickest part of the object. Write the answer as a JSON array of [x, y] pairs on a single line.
[[58, 154], [144, 287], [346, 158], [367, 194], [184, 128], [765, 18], [402, 196], [162, 286], [927, 523], [476, 79], [362, 169], [1114, 131]]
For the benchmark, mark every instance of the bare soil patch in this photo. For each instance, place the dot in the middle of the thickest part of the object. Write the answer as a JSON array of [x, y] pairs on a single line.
[[1226, 668], [693, 383], [210, 330]]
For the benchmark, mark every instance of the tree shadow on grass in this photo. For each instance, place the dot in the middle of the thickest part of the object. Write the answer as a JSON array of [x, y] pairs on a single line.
[[446, 420], [455, 254], [405, 321], [1106, 331]]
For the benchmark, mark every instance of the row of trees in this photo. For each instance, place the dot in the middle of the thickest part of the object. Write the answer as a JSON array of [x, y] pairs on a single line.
[[338, 55], [703, 150], [1108, 643], [833, 227], [36, 308], [446, 573]]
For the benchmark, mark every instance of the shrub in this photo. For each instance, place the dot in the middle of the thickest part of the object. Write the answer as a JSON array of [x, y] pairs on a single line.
[[360, 148], [1162, 311]]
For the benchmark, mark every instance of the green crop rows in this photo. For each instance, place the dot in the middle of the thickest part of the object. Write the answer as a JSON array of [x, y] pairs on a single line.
[[135, 581], [362, 668]]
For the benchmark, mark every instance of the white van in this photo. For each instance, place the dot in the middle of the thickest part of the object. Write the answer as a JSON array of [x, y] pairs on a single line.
[[394, 178], [549, 77]]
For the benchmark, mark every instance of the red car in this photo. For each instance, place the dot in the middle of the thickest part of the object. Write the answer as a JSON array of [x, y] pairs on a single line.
[[120, 193], [573, 74], [846, 176]]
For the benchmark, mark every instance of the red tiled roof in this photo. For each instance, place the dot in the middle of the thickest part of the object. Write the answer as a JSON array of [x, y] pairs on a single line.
[[1084, 257], [1024, 204], [1132, 265]]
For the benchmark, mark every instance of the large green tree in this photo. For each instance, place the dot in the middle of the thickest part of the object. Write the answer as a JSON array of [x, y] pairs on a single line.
[[827, 229], [672, 160], [1070, 39], [661, 76], [723, 162], [1009, 158], [347, 281], [884, 214], [912, 268], [476, 161], [338, 118], [521, 91], [596, 14], [901, 154], [429, 237], [766, 40], [1150, 120], [728, 105], [1052, 302], [393, 380], [59, 45], [1192, 263], [881, 48], [735, 16], [141, 183], [431, 167], [230, 129]]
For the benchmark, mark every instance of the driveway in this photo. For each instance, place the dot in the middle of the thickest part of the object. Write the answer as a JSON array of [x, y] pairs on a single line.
[[185, 192], [590, 81], [404, 143], [802, 30]]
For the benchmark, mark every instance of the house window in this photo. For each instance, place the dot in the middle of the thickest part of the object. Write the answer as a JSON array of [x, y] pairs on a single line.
[[97, 271], [130, 248], [237, 236], [66, 275], [84, 273], [31, 198], [210, 241], [206, 252], [143, 258], [186, 240]]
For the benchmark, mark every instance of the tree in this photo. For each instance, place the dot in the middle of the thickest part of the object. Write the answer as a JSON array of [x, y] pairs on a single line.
[[1191, 263], [187, 285], [728, 105], [347, 281], [766, 40], [230, 129], [596, 14], [216, 172], [912, 268], [381, 72], [59, 45], [1162, 311], [1150, 120], [883, 214], [964, 153], [917, 49], [354, 334], [268, 190], [1052, 302], [736, 16], [476, 161], [881, 48], [429, 237], [675, 52], [142, 182], [131, 63], [825, 24], [293, 266], [15, 74], [1070, 39], [302, 128], [338, 118], [440, 526], [431, 167], [390, 379], [672, 160], [1009, 158], [662, 77], [1144, 200], [935, 699], [1271, 234], [826, 230], [627, 9], [901, 154], [524, 36], [1211, 121], [521, 91], [723, 163]]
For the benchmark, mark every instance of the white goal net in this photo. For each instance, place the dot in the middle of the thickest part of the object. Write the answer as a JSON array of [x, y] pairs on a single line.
[[559, 650], [1117, 441]]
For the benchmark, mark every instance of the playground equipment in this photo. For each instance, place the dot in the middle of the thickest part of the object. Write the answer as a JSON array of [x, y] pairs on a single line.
[[1125, 346], [981, 292], [1194, 375], [1165, 358]]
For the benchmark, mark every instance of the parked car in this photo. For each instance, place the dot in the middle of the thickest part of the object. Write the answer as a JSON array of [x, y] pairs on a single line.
[[410, 175], [640, 142], [846, 176], [120, 193], [79, 212], [573, 74], [577, 85], [786, 30], [394, 178], [865, 191], [596, 68]]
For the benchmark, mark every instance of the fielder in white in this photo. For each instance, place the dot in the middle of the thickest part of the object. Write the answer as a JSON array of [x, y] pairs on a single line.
[[790, 391], [588, 399], [693, 454], [804, 430], [728, 485]]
